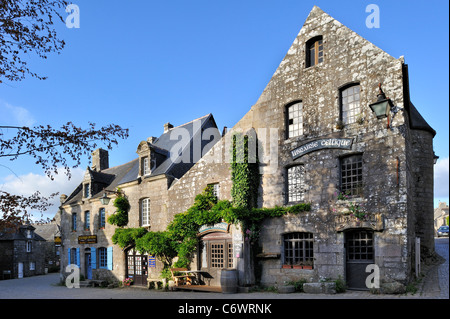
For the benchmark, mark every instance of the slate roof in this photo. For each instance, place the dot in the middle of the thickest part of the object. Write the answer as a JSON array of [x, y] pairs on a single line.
[[417, 121], [128, 172]]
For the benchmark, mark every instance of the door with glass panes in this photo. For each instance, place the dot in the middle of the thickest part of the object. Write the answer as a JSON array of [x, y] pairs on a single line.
[[359, 246], [215, 254], [137, 267]]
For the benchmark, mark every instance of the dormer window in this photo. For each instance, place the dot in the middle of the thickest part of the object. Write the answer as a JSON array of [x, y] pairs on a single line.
[[314, 51], [145, 166], [86, 190]]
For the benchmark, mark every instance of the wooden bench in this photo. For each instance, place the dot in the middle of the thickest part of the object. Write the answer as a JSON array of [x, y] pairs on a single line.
[[181, 279]]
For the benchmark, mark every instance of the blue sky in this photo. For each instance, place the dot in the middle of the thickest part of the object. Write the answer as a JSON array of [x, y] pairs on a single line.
[[140, 64]]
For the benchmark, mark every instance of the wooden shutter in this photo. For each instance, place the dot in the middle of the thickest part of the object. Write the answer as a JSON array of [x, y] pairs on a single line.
[[93, 258], [109, 258]]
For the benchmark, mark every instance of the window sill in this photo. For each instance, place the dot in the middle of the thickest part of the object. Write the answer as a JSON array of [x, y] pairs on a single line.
[[305, 267]]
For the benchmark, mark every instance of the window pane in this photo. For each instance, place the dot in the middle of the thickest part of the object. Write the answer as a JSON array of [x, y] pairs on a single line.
[[351, 175], [350, 107], [296, 183], [295, 116]]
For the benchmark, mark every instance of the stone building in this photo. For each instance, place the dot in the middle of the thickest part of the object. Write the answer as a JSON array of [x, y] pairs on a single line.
[[22, 253], [322, 139], [441, 215], [86, 235]]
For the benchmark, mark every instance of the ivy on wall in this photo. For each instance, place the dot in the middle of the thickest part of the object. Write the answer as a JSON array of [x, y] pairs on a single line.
[[122, 205], [180, 238]]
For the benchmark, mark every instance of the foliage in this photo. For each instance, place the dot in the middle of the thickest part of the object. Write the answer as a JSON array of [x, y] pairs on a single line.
[[244, 171], [124, 237], [26, 27], [158, 244], [341, 286], [298, 284], [120, 217], [180, 238]]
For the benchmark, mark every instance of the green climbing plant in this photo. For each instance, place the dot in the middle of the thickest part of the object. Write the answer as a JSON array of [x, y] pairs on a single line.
[[122, 205]]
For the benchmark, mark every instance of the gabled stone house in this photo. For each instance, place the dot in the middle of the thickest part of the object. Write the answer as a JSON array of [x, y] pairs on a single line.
[[86, 235], [367, 176], [22, 253]]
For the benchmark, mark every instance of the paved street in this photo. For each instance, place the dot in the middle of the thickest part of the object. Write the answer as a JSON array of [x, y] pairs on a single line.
[[434, 286]]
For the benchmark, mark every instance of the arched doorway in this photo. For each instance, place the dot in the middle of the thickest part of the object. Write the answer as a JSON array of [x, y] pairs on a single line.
[[136, 267], [215, 254]]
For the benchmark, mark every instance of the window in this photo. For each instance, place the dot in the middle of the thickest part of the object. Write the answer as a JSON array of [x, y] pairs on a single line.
[[73, 256], [314, 51], [29, 246], [350, 106], [296, 186], [74, 221], [87, 220], [215, 189], [294, 119], [87, 190], [298, 249], [145, 212], [351, 175], [145, 166], [101, 218], [32, 265], [221, 254], [103, 257]]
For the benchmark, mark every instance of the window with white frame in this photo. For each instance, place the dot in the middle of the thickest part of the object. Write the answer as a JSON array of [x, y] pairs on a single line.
[[294, 119], [29, 246], [296, 186], [145, 166], [32, 265], [350, 105], [215, 189], [145, 212]]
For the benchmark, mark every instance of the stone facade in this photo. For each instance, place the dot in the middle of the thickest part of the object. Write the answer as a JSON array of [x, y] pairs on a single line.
[[391, 159], [22, 253]]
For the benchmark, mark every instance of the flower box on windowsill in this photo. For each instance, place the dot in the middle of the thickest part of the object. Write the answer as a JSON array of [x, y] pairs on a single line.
[[297, 267]]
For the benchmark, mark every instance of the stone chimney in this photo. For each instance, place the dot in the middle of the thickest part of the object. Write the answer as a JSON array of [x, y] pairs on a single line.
[[153, 139], [167, 127], [100, 160]]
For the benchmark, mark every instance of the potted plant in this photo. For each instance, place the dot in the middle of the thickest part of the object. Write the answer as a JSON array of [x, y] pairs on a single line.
[[127, 282]]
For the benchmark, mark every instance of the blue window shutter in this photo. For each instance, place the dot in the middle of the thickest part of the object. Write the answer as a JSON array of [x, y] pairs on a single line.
[[93, 258], [78, 257], [109, 258], [68, 257]]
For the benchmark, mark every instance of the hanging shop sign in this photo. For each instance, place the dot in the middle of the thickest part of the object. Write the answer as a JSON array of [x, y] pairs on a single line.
[[219, 227], [340, 143], [91, 239]]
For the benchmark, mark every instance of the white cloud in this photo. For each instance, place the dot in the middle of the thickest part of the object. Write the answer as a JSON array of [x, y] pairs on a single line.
[[17, 115], [29, 183], [441, 178]]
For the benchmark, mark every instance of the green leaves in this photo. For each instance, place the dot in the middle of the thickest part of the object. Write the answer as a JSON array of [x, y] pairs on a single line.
[[120, 217]]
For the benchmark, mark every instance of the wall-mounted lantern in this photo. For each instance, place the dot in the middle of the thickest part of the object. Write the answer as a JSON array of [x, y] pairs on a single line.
[[382, 106]]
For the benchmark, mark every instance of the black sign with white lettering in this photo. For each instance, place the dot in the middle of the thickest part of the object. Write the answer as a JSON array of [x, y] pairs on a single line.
[[341, 143]]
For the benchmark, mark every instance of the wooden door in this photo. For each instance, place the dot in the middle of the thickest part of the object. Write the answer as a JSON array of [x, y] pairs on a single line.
[[137, 267]]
